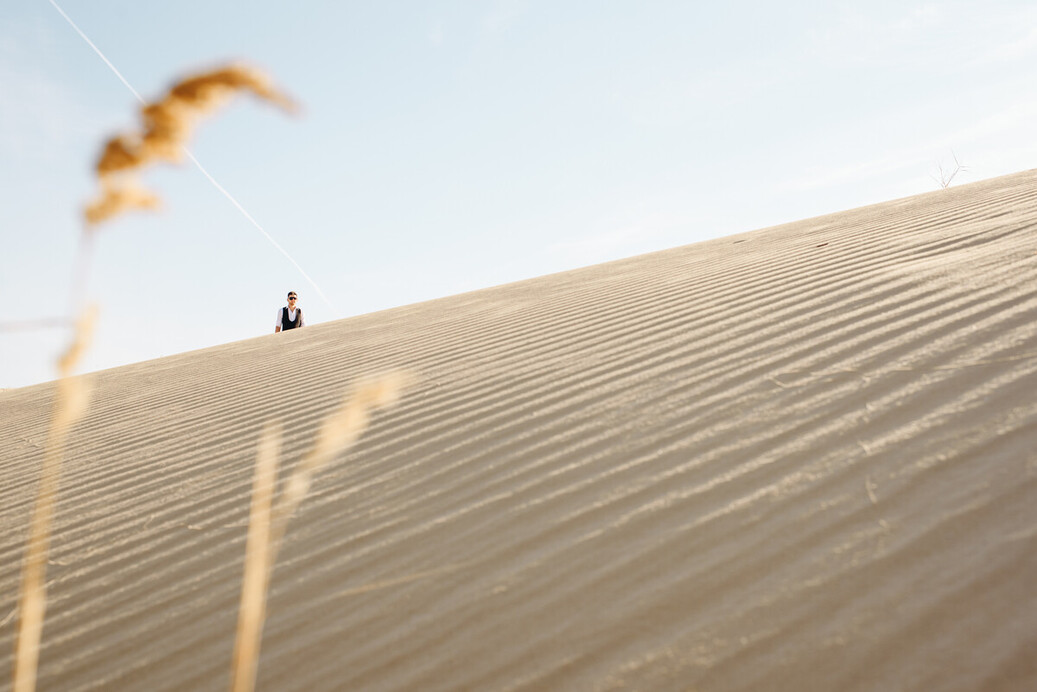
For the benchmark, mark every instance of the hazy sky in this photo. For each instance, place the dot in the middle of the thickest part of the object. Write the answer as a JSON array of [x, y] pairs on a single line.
[[450, 146]]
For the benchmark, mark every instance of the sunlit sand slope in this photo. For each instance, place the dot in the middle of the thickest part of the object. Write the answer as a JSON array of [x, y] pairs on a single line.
[[799, 458]]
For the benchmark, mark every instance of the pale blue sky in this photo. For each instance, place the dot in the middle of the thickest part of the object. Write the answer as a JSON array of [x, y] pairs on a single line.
[[450, 146]]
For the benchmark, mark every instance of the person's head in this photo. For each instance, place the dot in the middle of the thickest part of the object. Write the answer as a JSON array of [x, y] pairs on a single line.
[[292, 299]]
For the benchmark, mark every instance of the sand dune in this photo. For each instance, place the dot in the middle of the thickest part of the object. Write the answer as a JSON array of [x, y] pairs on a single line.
[[802, 458]]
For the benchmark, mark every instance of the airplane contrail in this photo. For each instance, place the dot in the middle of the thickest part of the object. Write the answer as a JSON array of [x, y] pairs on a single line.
[[199, 165]]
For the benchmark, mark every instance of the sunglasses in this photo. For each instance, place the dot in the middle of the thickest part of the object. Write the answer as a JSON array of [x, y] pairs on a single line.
[[291, 298]]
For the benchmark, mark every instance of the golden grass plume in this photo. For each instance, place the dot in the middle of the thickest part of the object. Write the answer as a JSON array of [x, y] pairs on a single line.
[[70, 404], [268, 519], [167, 125], [339, 430], [117, 197]]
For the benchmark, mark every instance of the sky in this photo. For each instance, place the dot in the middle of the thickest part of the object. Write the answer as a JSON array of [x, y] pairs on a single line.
[[448, 146]]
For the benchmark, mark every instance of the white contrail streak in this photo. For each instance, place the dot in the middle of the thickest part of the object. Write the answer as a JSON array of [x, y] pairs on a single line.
[[199, 165], [259, 228], [97, 50]]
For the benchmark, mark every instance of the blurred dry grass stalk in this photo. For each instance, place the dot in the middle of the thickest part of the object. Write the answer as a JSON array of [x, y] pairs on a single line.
[[252, 611], [168, 123], [71, 400], [267, 521]]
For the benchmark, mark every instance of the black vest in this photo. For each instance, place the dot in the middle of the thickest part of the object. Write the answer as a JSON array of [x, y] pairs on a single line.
[[290, 324]]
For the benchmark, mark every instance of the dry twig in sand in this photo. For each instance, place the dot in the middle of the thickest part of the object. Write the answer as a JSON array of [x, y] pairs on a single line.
[[944, 181]]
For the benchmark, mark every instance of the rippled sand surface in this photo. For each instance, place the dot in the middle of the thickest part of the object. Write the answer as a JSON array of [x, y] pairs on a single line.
[[799, 458]]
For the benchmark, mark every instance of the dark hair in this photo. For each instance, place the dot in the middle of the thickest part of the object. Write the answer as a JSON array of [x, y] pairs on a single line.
[[292, 293]]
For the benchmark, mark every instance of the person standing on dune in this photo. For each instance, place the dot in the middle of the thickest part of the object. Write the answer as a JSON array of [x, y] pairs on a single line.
[[290, 316]]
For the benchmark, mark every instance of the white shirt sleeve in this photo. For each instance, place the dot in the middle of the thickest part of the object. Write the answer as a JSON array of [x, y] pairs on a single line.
[[277, 320]]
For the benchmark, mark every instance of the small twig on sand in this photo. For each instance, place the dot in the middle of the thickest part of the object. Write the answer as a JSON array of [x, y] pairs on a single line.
[[870, 487], [944, 181]]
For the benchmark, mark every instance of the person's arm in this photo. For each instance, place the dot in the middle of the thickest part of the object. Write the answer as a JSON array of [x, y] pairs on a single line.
[[302, 318], [277, 323]]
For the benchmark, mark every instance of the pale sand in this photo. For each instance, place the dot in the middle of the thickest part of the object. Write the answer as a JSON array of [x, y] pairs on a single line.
[[803, 458]]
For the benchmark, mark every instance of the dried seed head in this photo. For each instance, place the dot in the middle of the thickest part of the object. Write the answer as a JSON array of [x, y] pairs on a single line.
[[168, 124]]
